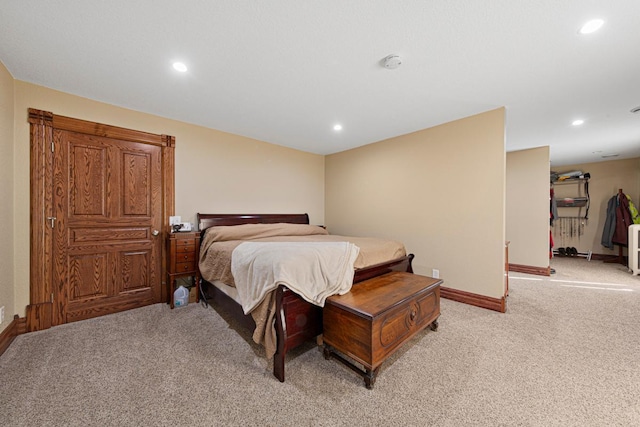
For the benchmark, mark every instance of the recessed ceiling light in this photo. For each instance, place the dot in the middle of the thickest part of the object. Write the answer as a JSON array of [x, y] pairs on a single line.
[[337, 127], [179, 66], [591, 26], [577, 122]]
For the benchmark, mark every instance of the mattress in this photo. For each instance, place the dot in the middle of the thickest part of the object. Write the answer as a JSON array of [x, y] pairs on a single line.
[[219, 242]]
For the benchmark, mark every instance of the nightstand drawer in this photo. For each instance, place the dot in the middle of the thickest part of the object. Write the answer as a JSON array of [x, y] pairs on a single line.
[[186, 248], [181, 267], [185, 242], [185, 257]]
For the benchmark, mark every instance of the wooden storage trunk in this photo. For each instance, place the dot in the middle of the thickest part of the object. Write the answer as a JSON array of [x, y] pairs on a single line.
[[372, 321]]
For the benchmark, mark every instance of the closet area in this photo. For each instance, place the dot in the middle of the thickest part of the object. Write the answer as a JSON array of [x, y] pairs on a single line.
[[569, 206], [594, 212]]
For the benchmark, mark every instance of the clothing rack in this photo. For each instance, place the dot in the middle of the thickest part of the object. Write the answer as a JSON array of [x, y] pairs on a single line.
[[619, 259]]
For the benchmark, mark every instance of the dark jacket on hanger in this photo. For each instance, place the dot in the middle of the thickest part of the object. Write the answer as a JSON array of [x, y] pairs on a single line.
[[623, 221], [609, 223]]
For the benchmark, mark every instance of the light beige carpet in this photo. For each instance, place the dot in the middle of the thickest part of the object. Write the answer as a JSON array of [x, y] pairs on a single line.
[[566, 353]]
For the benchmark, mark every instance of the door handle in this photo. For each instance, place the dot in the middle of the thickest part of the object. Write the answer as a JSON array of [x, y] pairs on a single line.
[[155, 232]]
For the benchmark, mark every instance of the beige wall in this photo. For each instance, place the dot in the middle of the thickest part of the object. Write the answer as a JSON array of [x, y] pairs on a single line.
[[216, 172], [527, 213], [439, 190], [606, 178], [7, 294]]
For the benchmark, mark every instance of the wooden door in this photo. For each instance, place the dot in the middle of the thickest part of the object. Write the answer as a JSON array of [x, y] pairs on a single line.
[[106, 193], [107, 243]]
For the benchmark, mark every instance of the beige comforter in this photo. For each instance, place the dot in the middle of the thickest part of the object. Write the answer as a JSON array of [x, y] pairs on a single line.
[[219, 243], [313, 270]]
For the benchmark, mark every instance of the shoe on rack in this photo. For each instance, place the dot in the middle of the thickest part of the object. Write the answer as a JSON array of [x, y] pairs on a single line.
[[574, 251], [562, 252]]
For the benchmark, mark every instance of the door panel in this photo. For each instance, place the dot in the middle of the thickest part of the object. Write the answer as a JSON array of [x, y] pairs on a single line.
[[87, 181], [107, 201], [136, 198], [90, 235], [88, 277], [134, 271]]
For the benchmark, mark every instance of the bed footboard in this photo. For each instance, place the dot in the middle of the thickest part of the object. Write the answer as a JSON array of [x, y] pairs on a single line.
[[400, 264], [296, 322]]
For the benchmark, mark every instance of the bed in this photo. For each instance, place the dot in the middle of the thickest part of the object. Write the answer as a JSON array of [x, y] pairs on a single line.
[[295, 320]]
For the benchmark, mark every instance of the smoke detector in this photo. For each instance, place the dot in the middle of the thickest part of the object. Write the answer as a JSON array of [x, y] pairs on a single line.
[[392, 62]]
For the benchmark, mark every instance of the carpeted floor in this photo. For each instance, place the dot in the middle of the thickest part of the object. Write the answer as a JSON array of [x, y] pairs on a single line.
[[565, 354]]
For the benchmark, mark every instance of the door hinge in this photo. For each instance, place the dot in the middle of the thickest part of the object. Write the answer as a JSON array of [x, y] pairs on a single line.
[[51, 297], [52, 219], [52, 147]]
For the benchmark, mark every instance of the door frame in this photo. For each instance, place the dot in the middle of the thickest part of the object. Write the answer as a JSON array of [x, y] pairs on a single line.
[[42, 123]]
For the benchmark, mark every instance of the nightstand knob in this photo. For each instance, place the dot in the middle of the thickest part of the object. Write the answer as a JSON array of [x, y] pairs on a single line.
[[155, 232]]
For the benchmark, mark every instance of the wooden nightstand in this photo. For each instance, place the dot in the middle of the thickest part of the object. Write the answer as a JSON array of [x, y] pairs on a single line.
[[183, 251]]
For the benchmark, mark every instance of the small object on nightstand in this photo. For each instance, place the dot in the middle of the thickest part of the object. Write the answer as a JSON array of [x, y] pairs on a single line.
[[183, 249]]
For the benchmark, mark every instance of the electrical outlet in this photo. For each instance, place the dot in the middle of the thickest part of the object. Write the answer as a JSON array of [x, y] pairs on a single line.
[[2, 314], [435, 274]]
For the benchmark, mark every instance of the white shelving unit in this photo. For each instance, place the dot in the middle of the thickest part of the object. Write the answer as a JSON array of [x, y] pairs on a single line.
[[634, 249]]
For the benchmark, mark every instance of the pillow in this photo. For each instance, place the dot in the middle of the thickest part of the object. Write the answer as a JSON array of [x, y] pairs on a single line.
[[223, 233]]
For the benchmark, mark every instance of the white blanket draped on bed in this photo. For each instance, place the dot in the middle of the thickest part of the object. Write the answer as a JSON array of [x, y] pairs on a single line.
[[314, 270]]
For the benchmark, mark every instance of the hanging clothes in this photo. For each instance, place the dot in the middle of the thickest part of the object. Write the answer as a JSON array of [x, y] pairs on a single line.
[[553, 206], [617, 222], [623, 221], [635, 216], [609, 223]]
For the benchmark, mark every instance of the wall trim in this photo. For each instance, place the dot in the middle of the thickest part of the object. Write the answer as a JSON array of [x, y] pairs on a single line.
[[21, 325], [621, 259], [496, 304], [16, 327], [530, 269]]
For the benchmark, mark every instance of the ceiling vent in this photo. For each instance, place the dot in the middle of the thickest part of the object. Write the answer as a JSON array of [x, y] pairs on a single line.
[[635, 110]]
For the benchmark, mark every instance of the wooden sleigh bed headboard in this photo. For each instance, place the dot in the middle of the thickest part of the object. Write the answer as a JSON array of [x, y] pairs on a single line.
[[211, 220]]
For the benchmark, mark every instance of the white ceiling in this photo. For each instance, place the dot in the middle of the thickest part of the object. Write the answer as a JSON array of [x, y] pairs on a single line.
[[286, 71]]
